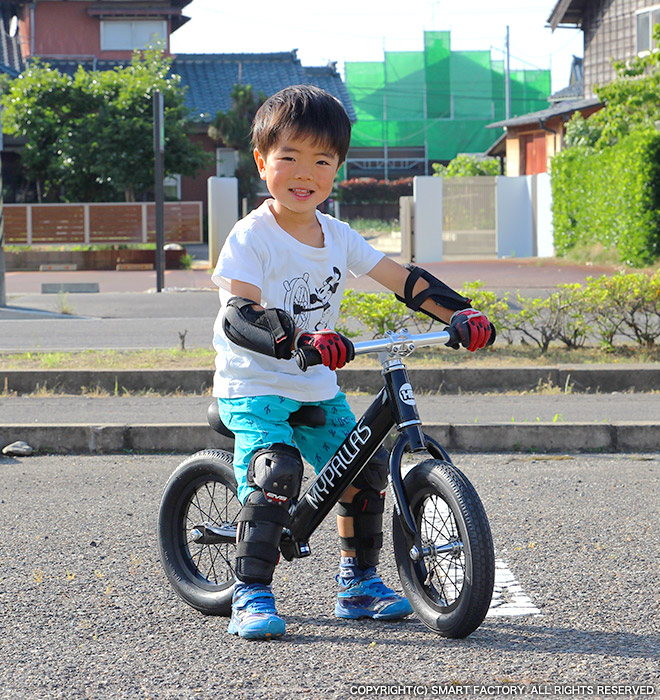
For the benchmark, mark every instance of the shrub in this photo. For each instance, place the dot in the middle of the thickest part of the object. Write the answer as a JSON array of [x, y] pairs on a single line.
[[364, 190], [611, 197]]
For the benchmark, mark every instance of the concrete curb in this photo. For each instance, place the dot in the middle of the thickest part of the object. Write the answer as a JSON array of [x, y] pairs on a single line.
[[448, 381], [83, 438]]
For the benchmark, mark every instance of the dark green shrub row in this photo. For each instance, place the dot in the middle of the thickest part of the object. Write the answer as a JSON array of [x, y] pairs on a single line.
[[367, 190], [605, 310], [611, 197]]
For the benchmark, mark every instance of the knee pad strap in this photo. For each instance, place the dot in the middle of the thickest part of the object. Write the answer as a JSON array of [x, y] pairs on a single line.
[[366, 509], [260, 525]]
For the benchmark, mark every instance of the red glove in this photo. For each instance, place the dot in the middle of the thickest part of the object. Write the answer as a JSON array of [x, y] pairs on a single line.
[[333, 348], [473, 329]]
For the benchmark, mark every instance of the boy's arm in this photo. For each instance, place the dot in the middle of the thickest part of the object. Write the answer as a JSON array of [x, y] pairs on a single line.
[[274, 333], [473, 328], [393, 276], [245, 290]]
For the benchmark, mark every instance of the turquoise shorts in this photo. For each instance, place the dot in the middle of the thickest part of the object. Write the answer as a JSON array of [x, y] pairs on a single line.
[[259, 421]]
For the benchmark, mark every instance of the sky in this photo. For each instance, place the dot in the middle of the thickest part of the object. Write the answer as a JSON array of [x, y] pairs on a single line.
[[361, 30]]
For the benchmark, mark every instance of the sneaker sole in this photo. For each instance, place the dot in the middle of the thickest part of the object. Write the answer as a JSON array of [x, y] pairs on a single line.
[[359, 613], [274, 629]]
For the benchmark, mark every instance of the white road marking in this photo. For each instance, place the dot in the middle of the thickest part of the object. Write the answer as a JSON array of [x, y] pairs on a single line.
[[509, 599]]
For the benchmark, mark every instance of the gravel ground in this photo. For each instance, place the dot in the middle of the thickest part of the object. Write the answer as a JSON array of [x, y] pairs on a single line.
[[87, 612]]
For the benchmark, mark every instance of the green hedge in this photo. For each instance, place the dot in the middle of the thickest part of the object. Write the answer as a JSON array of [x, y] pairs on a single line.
[[611, 197], [367, 190]]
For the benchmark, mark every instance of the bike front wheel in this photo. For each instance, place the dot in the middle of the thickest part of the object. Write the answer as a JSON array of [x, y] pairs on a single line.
[[199, 501], [450, 582]]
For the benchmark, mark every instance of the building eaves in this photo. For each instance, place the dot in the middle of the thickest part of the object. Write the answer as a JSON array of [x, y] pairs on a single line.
[[556, 110], [567, 13]]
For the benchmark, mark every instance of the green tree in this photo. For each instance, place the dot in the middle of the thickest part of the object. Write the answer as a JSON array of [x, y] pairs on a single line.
[[37, 108], [467, 166], [233, 128], [90, 137], [632, 103]]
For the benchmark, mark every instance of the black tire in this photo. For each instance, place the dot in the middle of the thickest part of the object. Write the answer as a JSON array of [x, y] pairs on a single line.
[[451, 591], [201, 490]]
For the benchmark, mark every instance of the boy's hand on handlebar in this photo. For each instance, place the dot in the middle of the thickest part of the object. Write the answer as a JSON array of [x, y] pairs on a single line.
[[323, 347], [472, 330]]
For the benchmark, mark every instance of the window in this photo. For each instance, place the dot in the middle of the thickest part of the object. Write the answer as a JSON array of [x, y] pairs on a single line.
[[646, 20], [226, 161], [126, 35], [172, 187]]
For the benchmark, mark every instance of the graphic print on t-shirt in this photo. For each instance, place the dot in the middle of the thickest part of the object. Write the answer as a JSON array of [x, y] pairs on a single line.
[[311, 305]]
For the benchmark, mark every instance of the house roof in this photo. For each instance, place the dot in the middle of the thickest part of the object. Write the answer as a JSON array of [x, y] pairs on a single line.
[[567, 13], [572, 92], [499, 146], [556, 110], [209, 78]]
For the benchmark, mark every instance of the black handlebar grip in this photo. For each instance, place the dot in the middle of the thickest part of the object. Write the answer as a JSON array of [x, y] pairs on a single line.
[[454, 338], [493, 335], [307, 357]]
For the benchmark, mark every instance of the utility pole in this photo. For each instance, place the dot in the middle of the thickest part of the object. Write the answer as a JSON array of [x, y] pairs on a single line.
[[3, 292], [507, 78], [159, 194]]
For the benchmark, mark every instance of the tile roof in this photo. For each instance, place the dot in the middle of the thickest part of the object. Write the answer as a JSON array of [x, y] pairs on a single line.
[[209, 78], [556, 109]]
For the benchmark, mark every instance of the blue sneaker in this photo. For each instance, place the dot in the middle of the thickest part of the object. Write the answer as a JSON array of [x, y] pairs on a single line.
[[368, 596], [253, 614]]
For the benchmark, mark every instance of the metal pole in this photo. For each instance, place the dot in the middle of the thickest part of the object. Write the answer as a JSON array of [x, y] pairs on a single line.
[[159, 194], [507, 78], [3, 292]]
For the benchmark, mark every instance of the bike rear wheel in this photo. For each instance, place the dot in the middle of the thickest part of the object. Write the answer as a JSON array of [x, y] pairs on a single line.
[[200, 493], [450, 583]]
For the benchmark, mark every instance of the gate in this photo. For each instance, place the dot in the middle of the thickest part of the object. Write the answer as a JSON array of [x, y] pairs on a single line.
[[469, 213]]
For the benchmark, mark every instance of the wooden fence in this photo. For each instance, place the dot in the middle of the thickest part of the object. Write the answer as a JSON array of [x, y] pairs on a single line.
[[134, 222]]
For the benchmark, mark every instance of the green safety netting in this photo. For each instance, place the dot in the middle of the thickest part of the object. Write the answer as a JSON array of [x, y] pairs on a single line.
[[438, 98]]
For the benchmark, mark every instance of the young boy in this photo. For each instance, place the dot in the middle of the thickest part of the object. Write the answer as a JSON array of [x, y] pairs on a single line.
[[281, 274]]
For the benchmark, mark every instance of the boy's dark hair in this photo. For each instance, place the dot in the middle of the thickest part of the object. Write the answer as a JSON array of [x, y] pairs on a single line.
[[302, 111]]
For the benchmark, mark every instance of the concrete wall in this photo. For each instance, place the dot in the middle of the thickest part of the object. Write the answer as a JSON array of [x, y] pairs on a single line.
[[427, 240], [524, 217], [223, 212], [514, 217]]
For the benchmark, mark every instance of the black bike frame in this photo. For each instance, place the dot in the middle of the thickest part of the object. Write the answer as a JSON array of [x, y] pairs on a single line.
[[394, 406]]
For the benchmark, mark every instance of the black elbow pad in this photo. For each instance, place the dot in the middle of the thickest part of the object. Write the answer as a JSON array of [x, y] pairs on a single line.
[[267, 331], [437, 290]]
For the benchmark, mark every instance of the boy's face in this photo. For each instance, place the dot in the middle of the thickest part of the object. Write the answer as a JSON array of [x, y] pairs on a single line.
[[299, 172]]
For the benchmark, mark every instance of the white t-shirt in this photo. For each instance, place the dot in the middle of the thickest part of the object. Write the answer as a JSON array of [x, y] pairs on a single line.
[[307, 282]]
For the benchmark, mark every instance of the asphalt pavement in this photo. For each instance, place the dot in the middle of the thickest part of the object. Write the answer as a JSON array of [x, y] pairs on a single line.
[[88, 613]]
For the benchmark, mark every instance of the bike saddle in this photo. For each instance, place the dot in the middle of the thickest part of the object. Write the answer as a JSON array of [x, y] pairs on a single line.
[[312, 416]]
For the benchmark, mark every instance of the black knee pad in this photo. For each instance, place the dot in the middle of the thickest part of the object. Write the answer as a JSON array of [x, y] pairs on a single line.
[[374, 474], [260, 524], [366, 509], [278, 471]]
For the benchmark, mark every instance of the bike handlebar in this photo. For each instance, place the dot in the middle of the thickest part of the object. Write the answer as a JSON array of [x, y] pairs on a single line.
[[404, 341], [401, 343]]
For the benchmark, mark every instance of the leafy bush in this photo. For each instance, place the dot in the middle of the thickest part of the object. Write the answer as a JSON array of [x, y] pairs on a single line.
[[626, 304], [467, 166], [604, 309], [367, 190], [611, 197]]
